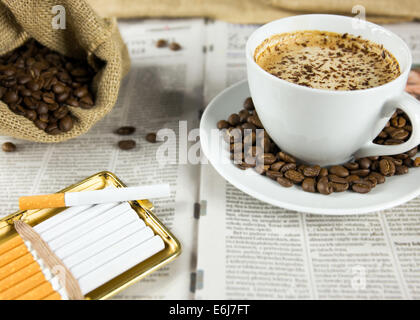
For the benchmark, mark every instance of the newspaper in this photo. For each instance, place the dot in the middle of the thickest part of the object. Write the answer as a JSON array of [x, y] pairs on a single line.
[[239, 247]]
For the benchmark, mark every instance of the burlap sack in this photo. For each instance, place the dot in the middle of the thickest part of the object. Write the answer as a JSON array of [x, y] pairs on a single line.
[[87, 36], [257, 11]]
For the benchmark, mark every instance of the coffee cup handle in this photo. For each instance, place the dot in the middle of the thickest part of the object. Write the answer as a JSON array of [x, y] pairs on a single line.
[[411, 107]]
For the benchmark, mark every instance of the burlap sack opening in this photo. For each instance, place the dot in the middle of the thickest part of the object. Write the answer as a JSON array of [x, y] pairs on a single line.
[[87, 36]]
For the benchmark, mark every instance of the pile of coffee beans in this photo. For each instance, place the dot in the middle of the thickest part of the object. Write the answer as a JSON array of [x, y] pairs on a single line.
[[253, 148], [40, 84]]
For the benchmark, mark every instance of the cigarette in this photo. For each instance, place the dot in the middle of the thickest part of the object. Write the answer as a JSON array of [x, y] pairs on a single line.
[[70, 199]]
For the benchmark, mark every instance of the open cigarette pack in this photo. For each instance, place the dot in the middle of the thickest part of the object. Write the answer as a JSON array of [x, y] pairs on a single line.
[[82, 252]]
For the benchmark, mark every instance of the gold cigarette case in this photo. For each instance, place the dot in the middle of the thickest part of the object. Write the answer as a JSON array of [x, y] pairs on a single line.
[[144, 209]]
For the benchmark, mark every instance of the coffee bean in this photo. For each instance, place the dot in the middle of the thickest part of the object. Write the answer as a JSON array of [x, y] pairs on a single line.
[[125, 130], [365, 163], [288, 166], [387, 167], [249, 104], [336, 179], [31, 115], [233, 119], [61, 112], [323, 186], [379, 177], [11, 97], [311, 171], [416, 162], [323, 172], [284, 182], [399, 170], [276, 166], [411, 153], [390, 142], [352, 178], [255, 120], [42, 109], [151, 137], [126, 144], [339, 171], [80, 92], [408, 162], [174, 46], [273, 174], [59, 89], [243, 115], [361, 186], [308, 185], [8, 147], [285, 157], [339, 187], [360, 172], [66, 124], [372, 180], [249, 126], [266, 158], [161, 43], [294, 176], [399, 134], [351, 165], [398, 122], [40, 124]]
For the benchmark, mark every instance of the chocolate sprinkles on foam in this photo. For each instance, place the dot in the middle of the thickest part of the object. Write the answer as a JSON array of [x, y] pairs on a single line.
[[327, 60]]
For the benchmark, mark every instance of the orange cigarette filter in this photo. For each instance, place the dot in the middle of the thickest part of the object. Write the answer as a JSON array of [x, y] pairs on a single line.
[[37, 293], [19, 276], [16, 265], [55, 200]]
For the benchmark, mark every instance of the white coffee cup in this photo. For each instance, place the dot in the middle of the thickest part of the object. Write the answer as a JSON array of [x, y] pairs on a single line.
[[329, 127]]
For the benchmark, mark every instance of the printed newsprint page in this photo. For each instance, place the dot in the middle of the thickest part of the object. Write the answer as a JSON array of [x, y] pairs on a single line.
[[265, 252], [162, 88]]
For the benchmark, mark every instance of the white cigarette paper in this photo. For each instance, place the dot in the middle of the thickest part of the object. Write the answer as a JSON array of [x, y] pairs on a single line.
[[121, 264], [116, 194]]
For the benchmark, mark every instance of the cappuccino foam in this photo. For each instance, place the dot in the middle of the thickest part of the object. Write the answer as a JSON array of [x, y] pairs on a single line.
[[327, 60]]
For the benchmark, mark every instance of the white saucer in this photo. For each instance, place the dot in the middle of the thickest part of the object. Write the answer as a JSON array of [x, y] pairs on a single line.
[[396, 190]]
